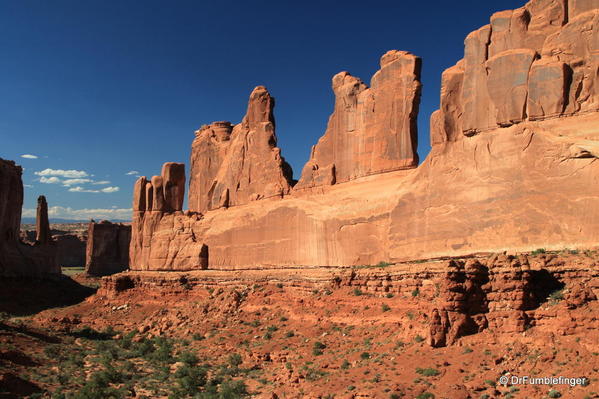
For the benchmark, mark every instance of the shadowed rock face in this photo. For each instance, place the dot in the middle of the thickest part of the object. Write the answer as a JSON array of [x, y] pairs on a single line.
[[107, 250], [371, 130], [513, 163], [16, 258], [233, 165], [43, 235]]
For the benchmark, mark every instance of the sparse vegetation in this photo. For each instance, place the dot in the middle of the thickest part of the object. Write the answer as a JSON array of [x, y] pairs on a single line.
[[538, 251], [556, 296], [427, 372]]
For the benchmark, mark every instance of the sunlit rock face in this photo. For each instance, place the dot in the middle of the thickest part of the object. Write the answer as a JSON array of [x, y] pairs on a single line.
[[512, 166]]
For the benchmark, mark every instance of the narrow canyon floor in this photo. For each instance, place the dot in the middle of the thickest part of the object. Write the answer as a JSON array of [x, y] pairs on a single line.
[[321, 334]]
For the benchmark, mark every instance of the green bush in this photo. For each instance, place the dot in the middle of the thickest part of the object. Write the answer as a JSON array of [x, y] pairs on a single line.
[[427, 372], [235, 360], [189, 358]]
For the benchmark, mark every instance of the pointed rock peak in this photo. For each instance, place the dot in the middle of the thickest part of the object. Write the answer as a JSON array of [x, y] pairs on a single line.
[[260, 108], [42, 227]]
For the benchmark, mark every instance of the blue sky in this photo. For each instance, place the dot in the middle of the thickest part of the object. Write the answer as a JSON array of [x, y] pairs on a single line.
[[97, 89]]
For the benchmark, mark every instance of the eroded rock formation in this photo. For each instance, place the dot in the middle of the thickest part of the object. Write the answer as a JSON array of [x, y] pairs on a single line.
[[42, 225], [532, 63], [16, 258], [513, 164], [372, 130], [233, 165], [107, 250]]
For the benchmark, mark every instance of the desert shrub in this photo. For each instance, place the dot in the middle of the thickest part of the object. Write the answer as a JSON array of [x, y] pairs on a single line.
[[89, 333], [235, 360], [189, 380], [52, 351], [385, 307], [364, 355], [556, 296], [415, 293], [358, 292], [232, 390], [189, 358], [345, 365], [418, 338], [538, 251], [314, 374], [198, 337], [427, 372]]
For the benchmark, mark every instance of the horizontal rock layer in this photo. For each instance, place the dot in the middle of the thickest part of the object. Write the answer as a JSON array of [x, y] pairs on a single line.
[[504, 293]]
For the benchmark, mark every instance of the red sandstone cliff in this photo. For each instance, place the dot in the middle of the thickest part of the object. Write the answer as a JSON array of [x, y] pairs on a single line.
[[17, 258], [532, 63], [372, 130], [233, 165], [512, 164], [107, 250]]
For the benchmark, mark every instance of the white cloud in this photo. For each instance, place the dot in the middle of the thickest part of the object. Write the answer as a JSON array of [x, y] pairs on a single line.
[[79, 189], [78, 214], [132, 172], [27, 185], [70, 174], [72, 182], [29, 156], [50, 180], [101, 182]]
